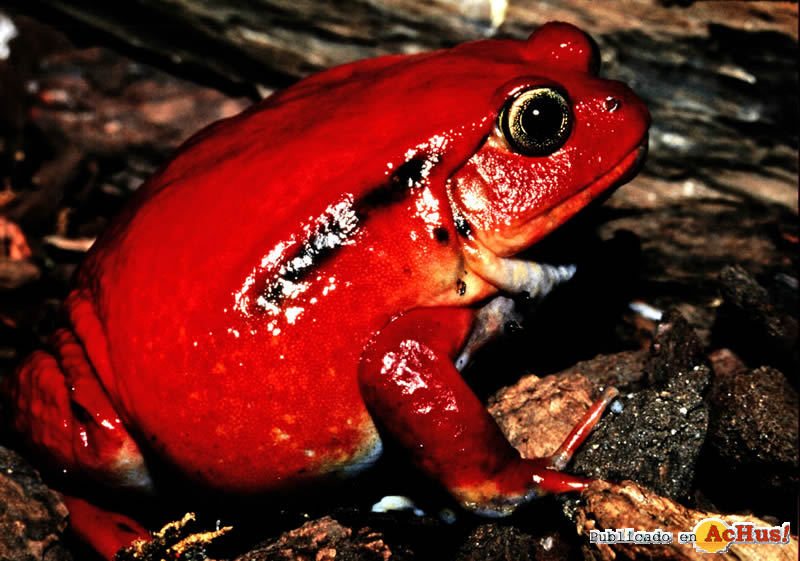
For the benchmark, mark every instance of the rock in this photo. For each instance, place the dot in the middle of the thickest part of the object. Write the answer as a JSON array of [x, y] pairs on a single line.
[[753, 419], [754, 326], [624, 370], [753, 437], [16, 268], [676, 351], [491, 542], [657, 437], [536, 415], [32, 517]]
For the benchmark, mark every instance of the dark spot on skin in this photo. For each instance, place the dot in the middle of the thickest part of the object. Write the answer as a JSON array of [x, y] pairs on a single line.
[[405, 178], [331, 231], [442, 235], [461, 287], [410, 173], [274, 292], [462, 226], [379, 197], [334, 228]]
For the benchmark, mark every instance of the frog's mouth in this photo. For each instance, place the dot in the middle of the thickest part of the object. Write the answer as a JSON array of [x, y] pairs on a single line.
[[605, 185], [630, 169]]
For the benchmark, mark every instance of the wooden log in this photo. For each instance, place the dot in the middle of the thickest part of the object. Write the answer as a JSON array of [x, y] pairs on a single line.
[[272, 42], [714, 74]]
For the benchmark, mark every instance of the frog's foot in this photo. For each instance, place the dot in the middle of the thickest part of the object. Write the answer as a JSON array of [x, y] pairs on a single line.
[[500, 495], [61, 411], [107, 532], [414, 392]]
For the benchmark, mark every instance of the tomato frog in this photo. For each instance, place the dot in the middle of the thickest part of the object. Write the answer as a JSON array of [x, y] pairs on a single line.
[[302, 282]]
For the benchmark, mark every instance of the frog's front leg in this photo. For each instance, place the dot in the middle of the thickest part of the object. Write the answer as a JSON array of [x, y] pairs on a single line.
[[414, 392]]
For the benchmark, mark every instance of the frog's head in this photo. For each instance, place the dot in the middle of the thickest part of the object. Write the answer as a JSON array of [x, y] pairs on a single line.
[[561, 137]]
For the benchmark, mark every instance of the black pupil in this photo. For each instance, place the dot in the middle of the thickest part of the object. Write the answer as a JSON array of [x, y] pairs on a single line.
[[542, 118]]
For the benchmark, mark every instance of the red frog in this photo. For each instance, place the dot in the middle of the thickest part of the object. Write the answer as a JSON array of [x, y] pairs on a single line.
[[312, 269]]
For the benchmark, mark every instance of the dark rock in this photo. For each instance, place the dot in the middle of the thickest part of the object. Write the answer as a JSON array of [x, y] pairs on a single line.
[[492, 542], [751, 322], [32, 516], [625, 370], [754, 418], [753, 437], [725, 362], [657, 437], [675, 351], [681, 266]]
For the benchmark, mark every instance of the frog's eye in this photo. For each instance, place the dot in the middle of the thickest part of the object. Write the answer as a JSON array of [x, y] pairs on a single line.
[[536, 122]]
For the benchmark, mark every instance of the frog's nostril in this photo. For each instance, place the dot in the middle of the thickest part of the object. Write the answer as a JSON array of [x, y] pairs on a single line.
[[612, 104]]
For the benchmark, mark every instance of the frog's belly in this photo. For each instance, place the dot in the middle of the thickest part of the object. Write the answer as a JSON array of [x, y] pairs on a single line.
[[238, 425]]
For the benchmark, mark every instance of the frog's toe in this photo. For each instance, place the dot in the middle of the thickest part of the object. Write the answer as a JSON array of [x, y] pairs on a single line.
[[63, 413]]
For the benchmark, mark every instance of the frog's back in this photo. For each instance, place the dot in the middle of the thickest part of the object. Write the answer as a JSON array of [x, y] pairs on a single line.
[[246, 194]]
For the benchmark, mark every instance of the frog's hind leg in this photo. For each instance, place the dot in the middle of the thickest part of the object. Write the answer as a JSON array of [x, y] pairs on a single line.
[[414, 392], [62, 412]]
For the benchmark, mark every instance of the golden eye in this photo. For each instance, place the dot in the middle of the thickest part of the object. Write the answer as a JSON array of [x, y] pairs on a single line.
[[536, 122]]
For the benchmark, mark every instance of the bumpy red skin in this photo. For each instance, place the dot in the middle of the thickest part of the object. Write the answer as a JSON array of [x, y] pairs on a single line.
[[174, 348]]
